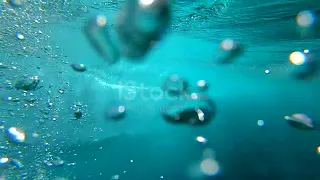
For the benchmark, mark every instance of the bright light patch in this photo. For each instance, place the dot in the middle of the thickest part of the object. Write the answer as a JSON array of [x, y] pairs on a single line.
[[227, 44], [260, 123], [297, 58], [101, 20], [20, 36], [200, 114], [305, 19], [201, 139], [194, 96], [17, 134], [201, 83], [210, 167], [145, 3], [4, 160], [121, 109]]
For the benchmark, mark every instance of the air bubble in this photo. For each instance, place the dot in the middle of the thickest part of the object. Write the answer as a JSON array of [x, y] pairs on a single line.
[[300, 121], [97, 34], [20, 36], [116, 113], [16, 135], [15, 3], [16, 163], [229, 50], [77, 114], [4, 161], [210, 167], [303, 63], [193, 109], [175, 85], [260, 123], [305, 19], [201, 139], [54, 161], [78, 67], [141, 24], [115, 177], [27, 83], [202, 85]]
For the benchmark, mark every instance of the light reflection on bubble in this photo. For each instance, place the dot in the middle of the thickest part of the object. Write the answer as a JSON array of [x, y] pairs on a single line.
[[4, 160], [228, 44], [305, 19], [201, 139], [144, 3], [20, 36], [297, 58], [14, 3], [260, 123], [101, 20], [115, 177], [16, 135], [210, 167]]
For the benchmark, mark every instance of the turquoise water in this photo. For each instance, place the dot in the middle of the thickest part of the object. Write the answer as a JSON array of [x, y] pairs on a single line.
[[143, 145]]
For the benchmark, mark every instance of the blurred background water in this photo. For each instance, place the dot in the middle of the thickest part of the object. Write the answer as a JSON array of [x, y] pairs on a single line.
[[55, 125]]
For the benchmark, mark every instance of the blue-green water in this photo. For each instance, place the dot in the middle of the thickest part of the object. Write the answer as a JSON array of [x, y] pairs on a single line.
[[143, 145]]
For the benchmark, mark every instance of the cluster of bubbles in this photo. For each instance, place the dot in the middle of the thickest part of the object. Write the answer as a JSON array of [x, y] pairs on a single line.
[[201, 12], [191, 106], [139, 26], [30, 23]]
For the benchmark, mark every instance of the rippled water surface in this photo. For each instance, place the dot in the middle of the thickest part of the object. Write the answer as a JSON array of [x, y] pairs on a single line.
[[207, 89]]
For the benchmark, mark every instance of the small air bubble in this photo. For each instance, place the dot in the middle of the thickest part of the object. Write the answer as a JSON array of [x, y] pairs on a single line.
[[201, 139], [260, 123], [115, 177], [20, 36]]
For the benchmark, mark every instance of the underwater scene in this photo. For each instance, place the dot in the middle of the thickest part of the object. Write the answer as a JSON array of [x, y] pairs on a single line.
[[159, 90]]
